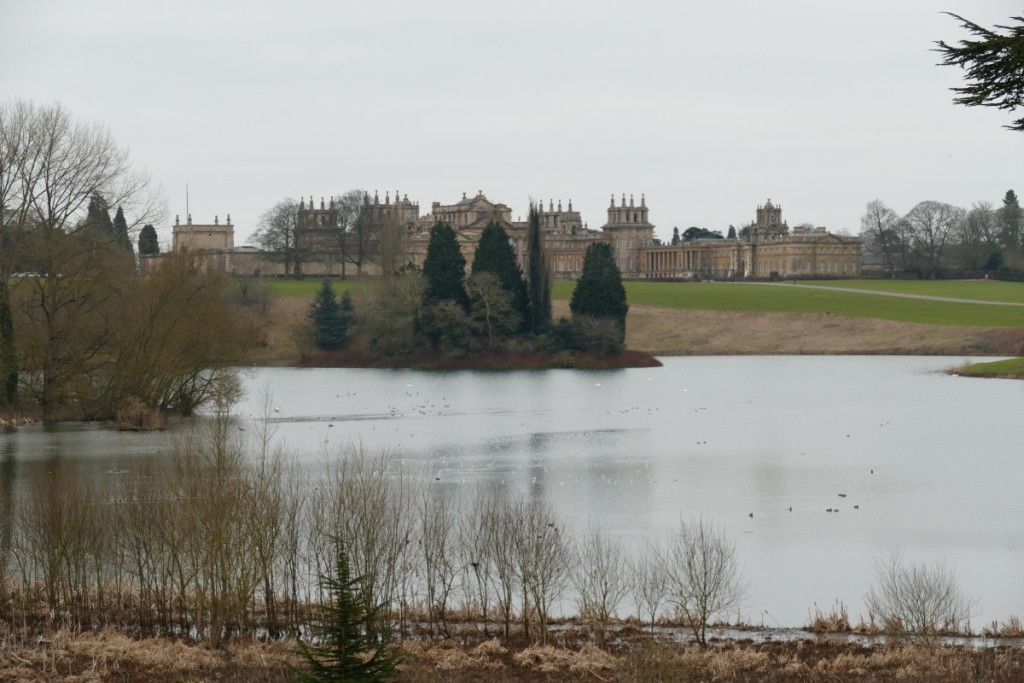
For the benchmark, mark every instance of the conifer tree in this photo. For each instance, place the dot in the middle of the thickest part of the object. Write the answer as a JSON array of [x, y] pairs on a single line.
[[347, 651], [992, 66], [444, 268], [494, 254], [331, 319], [1011, 221], [148, 244], [539, 278], [97, 218], [119, 231], [599, 292]]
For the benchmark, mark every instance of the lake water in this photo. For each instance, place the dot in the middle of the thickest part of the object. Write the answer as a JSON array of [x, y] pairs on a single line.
[[933, 463]]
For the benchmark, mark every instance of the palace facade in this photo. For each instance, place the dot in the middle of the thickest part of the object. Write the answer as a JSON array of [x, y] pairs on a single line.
[[398, 235]]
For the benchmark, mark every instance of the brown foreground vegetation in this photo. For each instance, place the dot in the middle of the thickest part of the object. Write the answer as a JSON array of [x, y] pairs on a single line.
[[669, 332], [111, 656]]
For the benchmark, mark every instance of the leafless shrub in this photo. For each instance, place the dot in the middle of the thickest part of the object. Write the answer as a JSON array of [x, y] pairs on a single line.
[[477, 529], [703, 575], [439, 515], [649, 583], [541, 561], [917, 600], [601, 579]]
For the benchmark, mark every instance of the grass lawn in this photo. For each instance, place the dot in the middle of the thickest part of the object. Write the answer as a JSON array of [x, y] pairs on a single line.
[[979, 290], [1011, 367], [727, 296], [308, 287]]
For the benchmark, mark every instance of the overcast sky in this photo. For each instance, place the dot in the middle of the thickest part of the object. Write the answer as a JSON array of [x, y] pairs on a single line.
[[708, 108]]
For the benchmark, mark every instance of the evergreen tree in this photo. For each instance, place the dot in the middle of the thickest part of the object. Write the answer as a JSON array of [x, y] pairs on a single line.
[[599, 292], [444, 268], [1010, 221], [348, 650], [331, 318], [675, 236], [494, 254], [732, 232], [119, 231], [148, 244], [539, 279], [97, 218], [993, 66]]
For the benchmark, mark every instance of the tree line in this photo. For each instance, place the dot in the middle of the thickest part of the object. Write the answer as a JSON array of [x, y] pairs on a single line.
[[228, 536], [934, 237], [82, 334], [496, 307]]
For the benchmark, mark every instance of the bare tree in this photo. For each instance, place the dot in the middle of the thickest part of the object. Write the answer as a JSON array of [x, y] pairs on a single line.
[[52, 166], [976, 236], [601, 579], [499, 516], [438, 543], [492, 313], [278, 235], [703, 575], [649, 583], [880, 227], [931, 225], [542, 561], [917, 600], [477, 530], [348, 207]]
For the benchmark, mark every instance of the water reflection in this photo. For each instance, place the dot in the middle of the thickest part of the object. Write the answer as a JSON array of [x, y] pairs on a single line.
[[927, 461]]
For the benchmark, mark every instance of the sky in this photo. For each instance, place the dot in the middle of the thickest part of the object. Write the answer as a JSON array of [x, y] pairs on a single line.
[[707, 108]]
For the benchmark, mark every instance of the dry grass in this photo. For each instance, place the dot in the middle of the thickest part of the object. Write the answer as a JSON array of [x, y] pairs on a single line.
[[109, 656], [693, 332], [136, 416]]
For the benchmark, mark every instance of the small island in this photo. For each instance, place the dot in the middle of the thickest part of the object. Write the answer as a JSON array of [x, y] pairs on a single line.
[[496, 318]]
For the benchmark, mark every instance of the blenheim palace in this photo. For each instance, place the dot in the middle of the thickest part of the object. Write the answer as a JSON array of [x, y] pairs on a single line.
[[769, 249]]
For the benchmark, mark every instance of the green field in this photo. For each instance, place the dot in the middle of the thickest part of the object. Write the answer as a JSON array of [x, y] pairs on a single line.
[[978, 290], [307, 287], [727, 296], [817, 298], [1011, 367]]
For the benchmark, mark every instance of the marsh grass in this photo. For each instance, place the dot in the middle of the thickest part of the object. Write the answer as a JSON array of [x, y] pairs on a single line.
[[836, 620], [111, 656]]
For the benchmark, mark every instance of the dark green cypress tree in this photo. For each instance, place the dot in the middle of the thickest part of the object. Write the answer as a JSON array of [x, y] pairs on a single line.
[[148, 244], [538, 280], [97, 218], [444, 268], [599, 292], [1010, 221], [119, 231], [347, 650], [331, 319], [494, 254]]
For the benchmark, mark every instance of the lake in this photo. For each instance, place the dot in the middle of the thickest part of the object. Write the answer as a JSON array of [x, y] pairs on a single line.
[[909, 456]]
